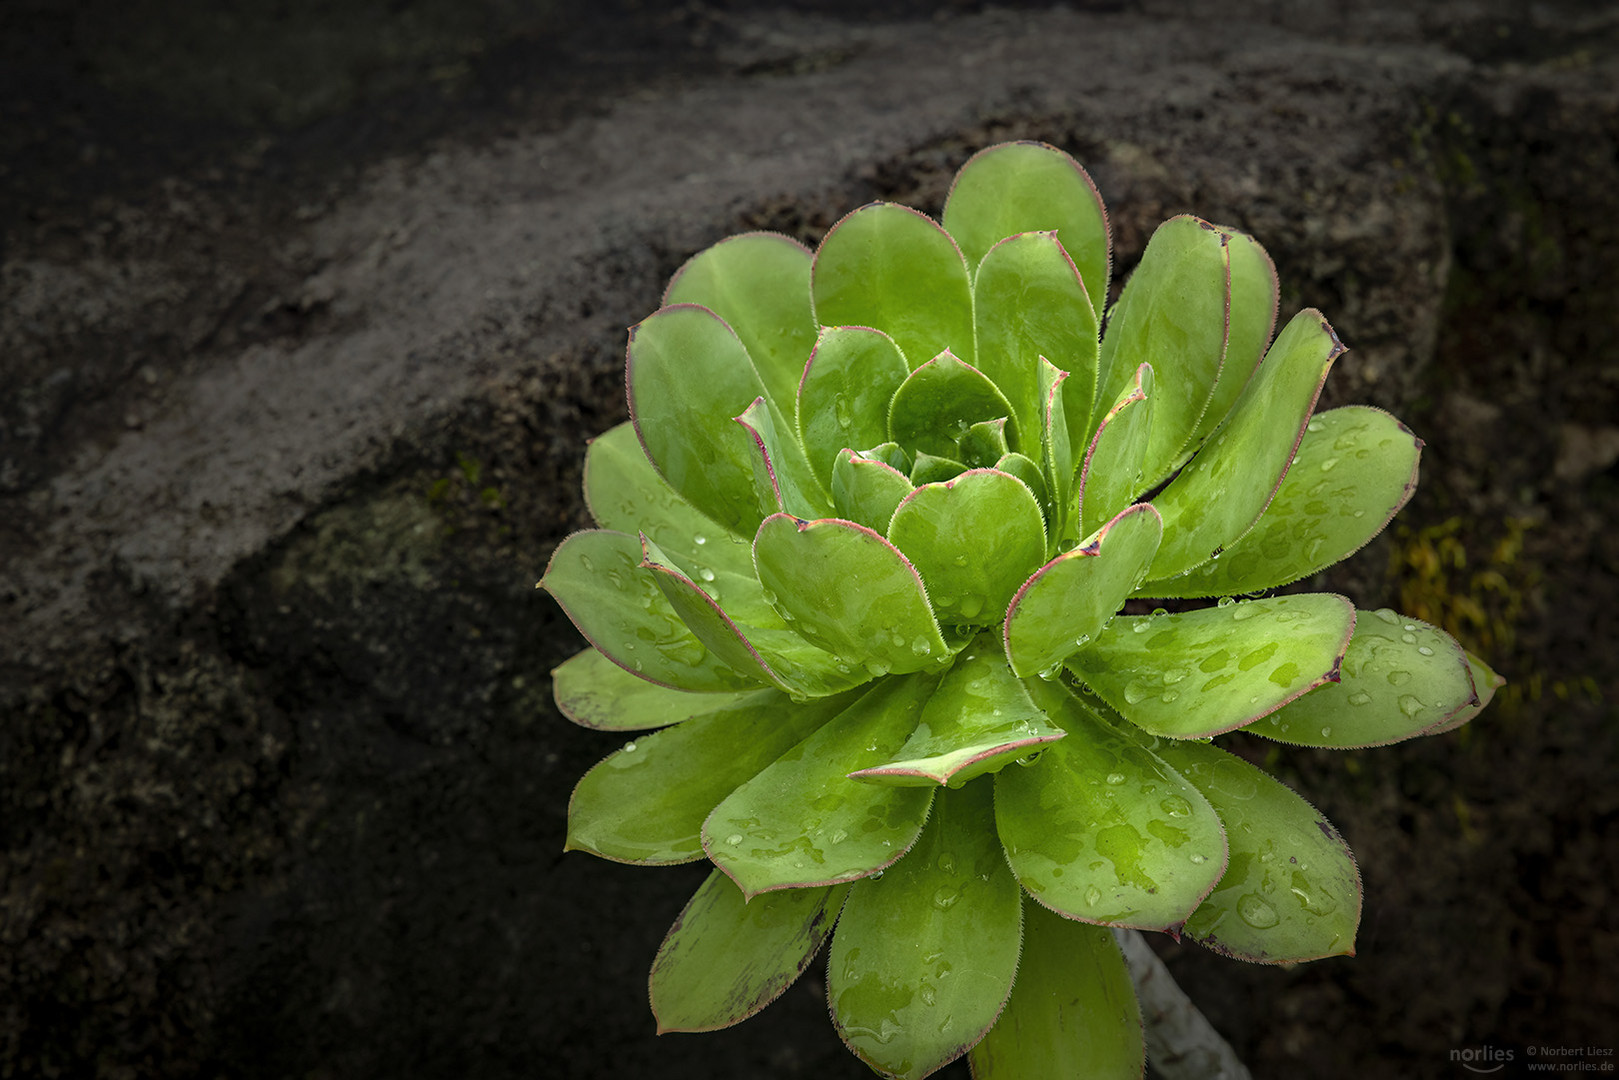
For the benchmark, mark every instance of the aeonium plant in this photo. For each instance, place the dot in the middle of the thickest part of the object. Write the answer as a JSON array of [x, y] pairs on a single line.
[[862, 553]]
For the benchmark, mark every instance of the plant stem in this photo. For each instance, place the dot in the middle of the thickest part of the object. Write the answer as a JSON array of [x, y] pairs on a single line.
[[1181, 1043]]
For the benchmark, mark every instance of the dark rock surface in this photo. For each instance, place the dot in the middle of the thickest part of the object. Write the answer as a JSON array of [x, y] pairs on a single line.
[[296, 389]]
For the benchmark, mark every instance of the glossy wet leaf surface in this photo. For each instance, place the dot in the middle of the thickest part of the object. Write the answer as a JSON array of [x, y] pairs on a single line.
[[689, 376], [1067, 602], [924, 956], [894, 269], [801, 821], [974, 539], [845, 393], [781, 475], [850, 592], [594, 692], [597, 577], [646, 802], [1073, 1010], [978, 720], [1030, 303], [1198, 673], [1101, 830], [1226, 486], [1401, 677], [724, 959], [1292, 891], [1031, 187], [759, 284], [1355, 468]]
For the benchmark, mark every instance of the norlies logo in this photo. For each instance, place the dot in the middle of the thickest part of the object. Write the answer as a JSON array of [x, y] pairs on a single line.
[[1482, 1059]]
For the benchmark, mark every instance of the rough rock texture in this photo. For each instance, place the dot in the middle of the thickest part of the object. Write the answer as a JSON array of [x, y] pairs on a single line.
[[293, 415]]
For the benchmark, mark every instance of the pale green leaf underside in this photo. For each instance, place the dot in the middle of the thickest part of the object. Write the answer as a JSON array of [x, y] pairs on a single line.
[[1355, 468], [1031, 187], [894, 269], [1198, 673], [801, 821], [1401, 678], [1102, 831], [596, 693], [1073, 1010], [597, 577], [1226, 486], [1291, 892], [646, 802], [726, 958], [759, 284], [1068, 601], [924, 956]]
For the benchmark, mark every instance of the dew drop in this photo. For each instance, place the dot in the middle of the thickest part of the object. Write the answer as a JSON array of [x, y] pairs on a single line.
[[1387, 616], [1243, 612], [946, 896], [1399, 678], [1409, 639], [629, 747], [706, 574], [1423, 650], [1200, 859], [1093, 896], [839, 836], [1410, 705], [1168, 696], [1326, 732], [840, 409], [1115, 778], [584, 561], [699, 539], [734, 839], [1225, 601], [1256, 912], [1175, 806], [1359, 697], [1329, 464]]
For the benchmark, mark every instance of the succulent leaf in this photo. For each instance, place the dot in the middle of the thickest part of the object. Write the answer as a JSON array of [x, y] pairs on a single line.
[[1113, 472], [771, 652], [646, 802], [935, 407], [781, 476], [924, 956], [1355, 468], [849, 591], [1401, 678], [867, 490], [1031, 187], [759, 284], [597, 577], [984, 444], [1485, 683], [974, 539], [1033, 478], [844, 395], [979, 720], [1069, 600], [1222, 492], [800, 822], [596, 693], [625, 493], [1173, 314], [1059, 444], [893, 268], [1101, 830], [1030, 303], [1073, 1009], [1255, 296], [1200, 673], [931, 469], [726, 957], [689, 376], [1292, 892]]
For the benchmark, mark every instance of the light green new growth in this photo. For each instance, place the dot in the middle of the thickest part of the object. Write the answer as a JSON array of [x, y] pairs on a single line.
[[862, 552]]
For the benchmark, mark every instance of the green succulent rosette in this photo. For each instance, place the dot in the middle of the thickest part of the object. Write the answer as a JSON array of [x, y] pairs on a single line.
[[861, 557]]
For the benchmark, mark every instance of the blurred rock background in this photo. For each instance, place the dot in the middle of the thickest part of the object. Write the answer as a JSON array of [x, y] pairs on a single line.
[[306, 313]]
